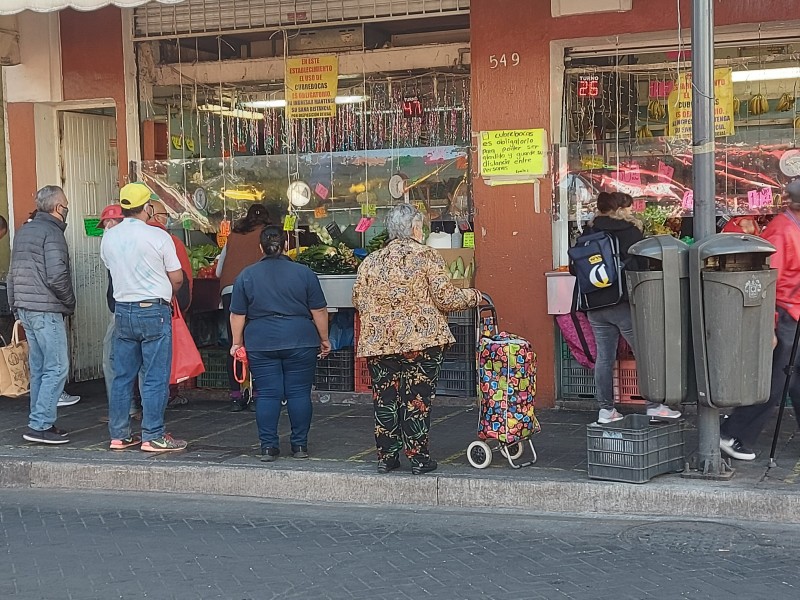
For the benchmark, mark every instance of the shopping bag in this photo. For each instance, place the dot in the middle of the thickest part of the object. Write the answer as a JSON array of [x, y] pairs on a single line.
[[186, 359], [15, 376]]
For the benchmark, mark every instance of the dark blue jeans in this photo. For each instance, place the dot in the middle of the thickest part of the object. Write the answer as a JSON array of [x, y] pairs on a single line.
[[142, 349], [278, 375]]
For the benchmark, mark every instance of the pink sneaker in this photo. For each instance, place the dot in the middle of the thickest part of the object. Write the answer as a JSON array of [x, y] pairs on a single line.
[[663, 412], [134, 440]]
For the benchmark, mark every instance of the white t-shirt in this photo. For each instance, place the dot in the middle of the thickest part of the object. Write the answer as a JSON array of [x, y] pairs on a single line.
[[139, 257]]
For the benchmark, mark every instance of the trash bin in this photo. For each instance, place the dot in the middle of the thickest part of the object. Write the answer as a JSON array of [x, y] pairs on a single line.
[[659, 299], [733, 318]]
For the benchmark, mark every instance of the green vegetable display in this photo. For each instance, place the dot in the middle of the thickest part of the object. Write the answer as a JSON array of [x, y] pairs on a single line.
[[329, 260], [202, 256], [378, 242]]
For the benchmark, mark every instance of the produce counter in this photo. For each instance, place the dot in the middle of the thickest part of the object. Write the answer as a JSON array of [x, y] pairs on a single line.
[[338, 290]]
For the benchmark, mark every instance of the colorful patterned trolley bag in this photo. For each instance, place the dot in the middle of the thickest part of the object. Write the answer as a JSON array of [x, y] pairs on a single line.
[[507, 381]]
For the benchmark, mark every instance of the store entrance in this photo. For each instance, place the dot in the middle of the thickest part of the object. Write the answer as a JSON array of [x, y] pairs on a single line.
[[89, 178]]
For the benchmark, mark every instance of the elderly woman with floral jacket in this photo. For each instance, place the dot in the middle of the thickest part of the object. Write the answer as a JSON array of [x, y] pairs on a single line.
[[403, 295]]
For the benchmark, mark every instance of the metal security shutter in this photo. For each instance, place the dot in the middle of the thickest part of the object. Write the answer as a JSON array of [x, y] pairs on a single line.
[[218, 16]]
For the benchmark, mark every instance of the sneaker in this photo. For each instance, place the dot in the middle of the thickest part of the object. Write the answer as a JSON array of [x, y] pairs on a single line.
[[735, 449], [270, 454], [66, 399], [166, 443], [609, 416], [418, 468], [663, 412], [128, 442], [299, 451], [44, 437], [177, 400], [387, 464], [58, 431]]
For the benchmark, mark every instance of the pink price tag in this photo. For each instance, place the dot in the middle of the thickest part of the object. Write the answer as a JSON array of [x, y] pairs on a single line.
[[766, 197], [639, 206], [753, 199], [364, 224], [321, 191], [687, 203], [629, 174], [665, 172]]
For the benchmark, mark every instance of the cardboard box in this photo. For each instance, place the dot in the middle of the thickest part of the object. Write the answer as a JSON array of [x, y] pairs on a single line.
[[467, 255]]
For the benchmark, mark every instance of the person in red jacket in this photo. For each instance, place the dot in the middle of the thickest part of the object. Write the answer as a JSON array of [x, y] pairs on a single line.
[[158, 218], [741, 429]]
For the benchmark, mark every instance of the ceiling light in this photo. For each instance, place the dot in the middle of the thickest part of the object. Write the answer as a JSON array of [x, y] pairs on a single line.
[[351, 99], [276, 103], [231, 112], [766, 74]]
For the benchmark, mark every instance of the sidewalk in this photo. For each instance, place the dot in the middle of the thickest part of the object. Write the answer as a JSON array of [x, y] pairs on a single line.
[[221, 459]]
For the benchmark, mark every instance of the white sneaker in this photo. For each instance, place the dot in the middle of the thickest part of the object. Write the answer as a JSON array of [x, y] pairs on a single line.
[[66, 399], [609, 416], [663, 412], [735, 449]]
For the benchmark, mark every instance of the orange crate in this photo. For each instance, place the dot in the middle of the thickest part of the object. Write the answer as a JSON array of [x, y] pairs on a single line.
[[626, 384], [363, 381]]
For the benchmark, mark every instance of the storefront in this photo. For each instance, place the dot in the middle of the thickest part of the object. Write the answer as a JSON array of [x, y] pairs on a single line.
[[328, 126], [590, 79]]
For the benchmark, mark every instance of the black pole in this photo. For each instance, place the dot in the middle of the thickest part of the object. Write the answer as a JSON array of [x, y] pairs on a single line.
[[789, 370]]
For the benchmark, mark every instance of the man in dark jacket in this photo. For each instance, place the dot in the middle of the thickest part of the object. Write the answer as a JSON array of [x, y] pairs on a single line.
[[40, 294]]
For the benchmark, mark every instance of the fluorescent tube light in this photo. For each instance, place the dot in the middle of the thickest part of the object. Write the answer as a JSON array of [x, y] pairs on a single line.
[[766, 74], [351, 99], [229, 112]]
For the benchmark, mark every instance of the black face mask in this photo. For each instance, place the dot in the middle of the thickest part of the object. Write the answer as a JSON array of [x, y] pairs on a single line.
[[64, 213]]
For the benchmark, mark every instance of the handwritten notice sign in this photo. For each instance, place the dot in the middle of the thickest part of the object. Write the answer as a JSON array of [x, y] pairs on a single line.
[[369, 210], [468, 241], [363, 224], [630, 174], [759, 198], [679, 105], [511, 152], [639, 205], [687, 202], [321, 191], [289, 222], [665, 172], [311, 85]]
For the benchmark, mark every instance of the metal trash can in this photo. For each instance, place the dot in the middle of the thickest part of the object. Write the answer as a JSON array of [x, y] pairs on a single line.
[[659, 299], [733, 318]]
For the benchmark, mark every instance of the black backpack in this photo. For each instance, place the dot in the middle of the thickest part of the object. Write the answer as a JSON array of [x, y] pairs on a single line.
[[597, 266]]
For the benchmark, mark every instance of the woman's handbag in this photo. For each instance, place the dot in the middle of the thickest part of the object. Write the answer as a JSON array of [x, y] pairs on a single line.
[[186, 359], [15, 376]]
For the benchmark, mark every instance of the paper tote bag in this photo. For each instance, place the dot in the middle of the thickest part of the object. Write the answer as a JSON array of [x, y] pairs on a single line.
[[15, 375], [186, 359]]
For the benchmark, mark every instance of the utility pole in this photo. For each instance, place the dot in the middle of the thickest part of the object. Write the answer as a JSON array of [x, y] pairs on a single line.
[[704, 189]]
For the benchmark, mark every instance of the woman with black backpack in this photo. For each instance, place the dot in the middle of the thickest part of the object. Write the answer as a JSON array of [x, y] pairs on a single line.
[[609, 322]]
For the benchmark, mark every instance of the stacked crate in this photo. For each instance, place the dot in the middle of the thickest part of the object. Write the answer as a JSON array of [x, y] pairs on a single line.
[[459, 375]]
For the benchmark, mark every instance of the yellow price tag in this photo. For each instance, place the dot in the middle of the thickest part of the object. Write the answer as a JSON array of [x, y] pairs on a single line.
[[320, 212], [289, 222], [421, 207], [468, 240], [369, 210]]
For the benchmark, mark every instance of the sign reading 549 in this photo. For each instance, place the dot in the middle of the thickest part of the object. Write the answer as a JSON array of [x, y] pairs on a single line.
[[504, 60]]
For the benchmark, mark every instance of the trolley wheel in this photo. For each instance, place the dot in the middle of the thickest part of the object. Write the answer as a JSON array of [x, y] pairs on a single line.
[[479, 454], [512, 451]]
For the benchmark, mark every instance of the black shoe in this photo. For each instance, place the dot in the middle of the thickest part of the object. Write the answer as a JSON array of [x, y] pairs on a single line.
[[251, 406], [735, 449], [388, 464], [237, 405], [270, 454], [418, 468], [44, 437], [300, 451], [57, 431]]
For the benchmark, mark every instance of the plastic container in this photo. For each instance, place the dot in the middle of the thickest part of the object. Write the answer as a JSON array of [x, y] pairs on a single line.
[[577, 382], [336, 372], [363, 380], [216, 373], [634, 451], [458, 378], [626, 383]]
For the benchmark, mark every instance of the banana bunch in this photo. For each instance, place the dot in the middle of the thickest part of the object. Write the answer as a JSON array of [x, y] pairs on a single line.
[[796, 123], [737, 104], [758, 105], [643, 133], [785, 102], [656, 110]]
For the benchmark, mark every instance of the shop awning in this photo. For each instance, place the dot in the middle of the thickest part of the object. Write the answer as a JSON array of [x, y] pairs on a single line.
[[11, 7]]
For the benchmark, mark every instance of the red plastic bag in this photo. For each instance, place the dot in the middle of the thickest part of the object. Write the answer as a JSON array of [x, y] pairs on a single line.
[[186, 359]]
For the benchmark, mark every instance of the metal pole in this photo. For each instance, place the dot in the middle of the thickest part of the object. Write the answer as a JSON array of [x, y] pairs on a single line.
[[704, 187]]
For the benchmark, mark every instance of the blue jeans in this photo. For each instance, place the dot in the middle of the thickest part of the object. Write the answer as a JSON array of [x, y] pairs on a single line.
[[143, 349], [608, 324], [108, 358], [48, 357], [278, 375]]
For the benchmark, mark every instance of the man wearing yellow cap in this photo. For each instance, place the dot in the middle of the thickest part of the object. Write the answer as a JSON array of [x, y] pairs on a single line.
[[146, 274]]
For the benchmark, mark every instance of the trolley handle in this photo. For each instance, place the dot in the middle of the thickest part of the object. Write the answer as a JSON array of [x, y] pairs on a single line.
[[488, 322]]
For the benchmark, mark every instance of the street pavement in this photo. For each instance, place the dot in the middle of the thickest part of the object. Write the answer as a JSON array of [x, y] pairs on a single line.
[[96, 545]]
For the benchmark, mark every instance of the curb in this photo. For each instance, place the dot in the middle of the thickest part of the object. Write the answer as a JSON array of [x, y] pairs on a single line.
[[340, 483]]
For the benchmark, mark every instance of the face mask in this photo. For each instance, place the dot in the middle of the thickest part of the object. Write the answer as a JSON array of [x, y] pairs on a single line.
[[64, 212]]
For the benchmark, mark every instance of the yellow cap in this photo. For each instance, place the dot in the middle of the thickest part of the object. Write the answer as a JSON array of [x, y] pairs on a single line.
[[135, 195]]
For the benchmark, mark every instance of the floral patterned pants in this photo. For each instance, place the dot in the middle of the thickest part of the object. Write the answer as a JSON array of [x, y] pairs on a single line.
[[402, 386]]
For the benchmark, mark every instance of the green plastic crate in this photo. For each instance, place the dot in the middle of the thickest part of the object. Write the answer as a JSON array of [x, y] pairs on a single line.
[[215, 376]]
